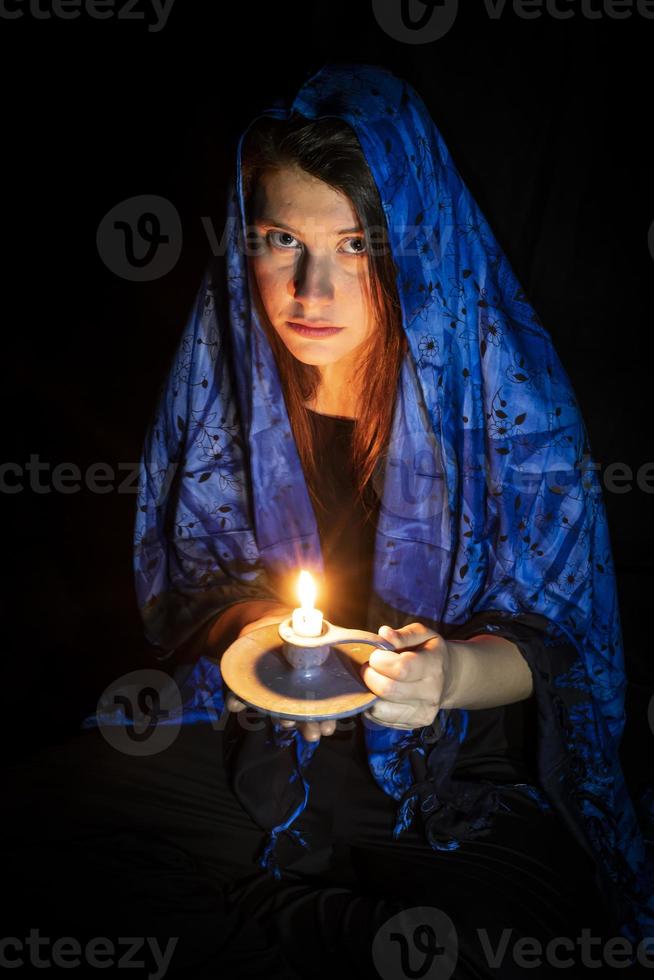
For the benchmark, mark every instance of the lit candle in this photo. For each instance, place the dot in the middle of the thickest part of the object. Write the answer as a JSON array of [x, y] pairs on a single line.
[[307, 621]]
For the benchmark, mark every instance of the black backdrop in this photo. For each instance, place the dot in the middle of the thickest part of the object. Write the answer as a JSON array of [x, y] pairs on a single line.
[[547, 120]]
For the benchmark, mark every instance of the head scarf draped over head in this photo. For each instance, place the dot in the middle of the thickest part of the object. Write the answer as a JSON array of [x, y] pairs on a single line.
[[490, 514]]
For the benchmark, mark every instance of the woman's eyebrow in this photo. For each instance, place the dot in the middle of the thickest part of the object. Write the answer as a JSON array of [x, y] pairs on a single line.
[[280, 224]]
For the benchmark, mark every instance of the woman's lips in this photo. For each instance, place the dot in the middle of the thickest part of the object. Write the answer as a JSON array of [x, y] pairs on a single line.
[[313, 331]]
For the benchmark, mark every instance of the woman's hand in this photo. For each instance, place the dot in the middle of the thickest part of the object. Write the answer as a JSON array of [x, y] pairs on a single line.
[[411, 685], [311, 730]]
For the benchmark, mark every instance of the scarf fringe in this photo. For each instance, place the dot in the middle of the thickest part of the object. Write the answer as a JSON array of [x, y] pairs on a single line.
[[268, 860]]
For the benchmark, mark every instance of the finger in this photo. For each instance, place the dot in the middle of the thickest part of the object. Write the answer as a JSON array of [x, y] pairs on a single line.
[[408, 665], [284, 722], [390, 635], [407, 636], [387, 688], [233, 703], [328, 727], [311, 731]]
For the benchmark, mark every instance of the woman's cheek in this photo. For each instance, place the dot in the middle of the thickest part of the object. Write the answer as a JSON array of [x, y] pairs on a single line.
[[269, 282]]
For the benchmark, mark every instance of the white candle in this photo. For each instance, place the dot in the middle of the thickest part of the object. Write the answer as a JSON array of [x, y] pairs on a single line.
[[307, 621]]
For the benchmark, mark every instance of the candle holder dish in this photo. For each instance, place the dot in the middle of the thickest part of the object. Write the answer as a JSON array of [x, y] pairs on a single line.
[[301, 678]]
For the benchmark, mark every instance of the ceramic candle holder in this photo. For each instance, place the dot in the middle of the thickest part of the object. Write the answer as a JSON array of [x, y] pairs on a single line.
[[302, 678]]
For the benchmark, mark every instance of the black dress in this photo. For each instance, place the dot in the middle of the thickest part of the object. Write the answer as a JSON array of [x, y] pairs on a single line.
[[164, 846]]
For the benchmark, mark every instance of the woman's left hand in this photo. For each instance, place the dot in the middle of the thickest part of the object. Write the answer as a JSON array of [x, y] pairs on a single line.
[[411, 685]]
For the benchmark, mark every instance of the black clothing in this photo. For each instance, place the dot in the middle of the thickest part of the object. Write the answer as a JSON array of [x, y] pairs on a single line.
[[100, 843]]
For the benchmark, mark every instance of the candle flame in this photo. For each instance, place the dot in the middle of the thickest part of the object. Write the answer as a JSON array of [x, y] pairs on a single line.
[[306, 590]]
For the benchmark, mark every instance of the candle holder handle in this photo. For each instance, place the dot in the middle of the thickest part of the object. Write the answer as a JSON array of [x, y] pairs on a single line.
[[330, 635], [308, 653], [336, 636]]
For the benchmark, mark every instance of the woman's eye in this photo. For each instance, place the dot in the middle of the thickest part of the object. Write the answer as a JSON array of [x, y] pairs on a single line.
[[283, 234], [360, 242]]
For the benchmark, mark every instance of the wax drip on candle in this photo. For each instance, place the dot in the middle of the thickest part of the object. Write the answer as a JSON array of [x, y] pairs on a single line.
[[307, 621]]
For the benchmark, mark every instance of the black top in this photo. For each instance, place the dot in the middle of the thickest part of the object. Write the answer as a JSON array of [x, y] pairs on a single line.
[[347, 534], [497, 741]]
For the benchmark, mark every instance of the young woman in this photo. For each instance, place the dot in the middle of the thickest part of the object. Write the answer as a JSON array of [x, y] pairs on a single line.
[[364, 391]]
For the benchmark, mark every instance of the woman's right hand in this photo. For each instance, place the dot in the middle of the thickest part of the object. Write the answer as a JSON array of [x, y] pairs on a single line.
[[311, 730]]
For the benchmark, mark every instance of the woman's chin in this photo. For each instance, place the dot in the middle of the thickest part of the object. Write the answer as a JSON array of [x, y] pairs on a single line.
[[312, 358]]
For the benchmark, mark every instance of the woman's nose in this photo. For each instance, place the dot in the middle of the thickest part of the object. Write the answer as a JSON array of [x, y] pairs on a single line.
[[313, 278]]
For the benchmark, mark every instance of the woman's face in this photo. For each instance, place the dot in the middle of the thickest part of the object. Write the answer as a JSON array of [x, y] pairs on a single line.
[[311, 265]]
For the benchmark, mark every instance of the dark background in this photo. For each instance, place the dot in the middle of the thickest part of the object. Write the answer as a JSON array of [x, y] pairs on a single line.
[[548, 123]]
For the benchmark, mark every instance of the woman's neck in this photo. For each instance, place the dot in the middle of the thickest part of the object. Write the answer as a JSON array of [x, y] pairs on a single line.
[[333, 406], [336, 391]]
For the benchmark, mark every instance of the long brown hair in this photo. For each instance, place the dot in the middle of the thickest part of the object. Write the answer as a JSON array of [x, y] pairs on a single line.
[[327, 148]]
